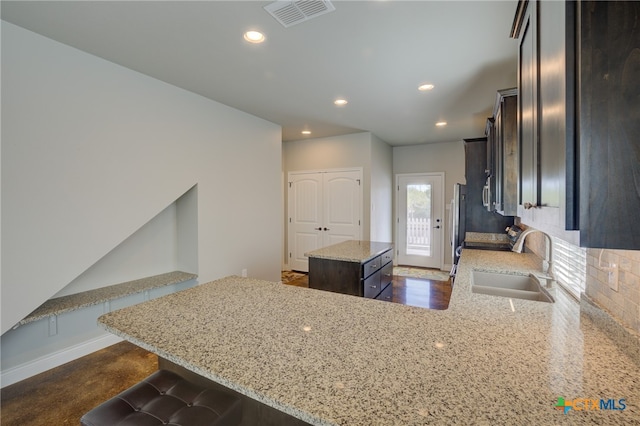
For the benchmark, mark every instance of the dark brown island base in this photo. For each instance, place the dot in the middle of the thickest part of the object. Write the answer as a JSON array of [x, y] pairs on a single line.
[[358, 268]]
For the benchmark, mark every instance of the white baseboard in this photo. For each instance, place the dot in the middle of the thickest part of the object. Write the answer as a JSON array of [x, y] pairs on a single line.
[[447, 267], [55, 359]]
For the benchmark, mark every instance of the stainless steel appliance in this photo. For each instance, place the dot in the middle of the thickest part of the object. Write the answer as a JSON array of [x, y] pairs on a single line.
[[457, 223], [486, 195]]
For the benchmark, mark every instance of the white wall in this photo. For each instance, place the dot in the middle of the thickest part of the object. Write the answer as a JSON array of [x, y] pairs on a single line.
[[447, 157], [381, 190], [152, 250], [331, 153], [363, 150], [92, 151]]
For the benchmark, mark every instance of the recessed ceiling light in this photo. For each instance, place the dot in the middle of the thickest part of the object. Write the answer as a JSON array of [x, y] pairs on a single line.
[[441, 123], [340, 102], [306, 132], [426, 87], [254, 36]]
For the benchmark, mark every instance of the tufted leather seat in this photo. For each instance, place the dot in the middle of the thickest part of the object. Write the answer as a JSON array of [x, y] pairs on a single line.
[[164, 398]]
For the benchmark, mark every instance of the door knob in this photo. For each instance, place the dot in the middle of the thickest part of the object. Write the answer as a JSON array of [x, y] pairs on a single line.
[[437, 227]]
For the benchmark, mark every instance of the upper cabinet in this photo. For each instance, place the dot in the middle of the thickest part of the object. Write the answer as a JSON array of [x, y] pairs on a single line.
[[609, 122], [579, 120], [547, 182], [502, 153]]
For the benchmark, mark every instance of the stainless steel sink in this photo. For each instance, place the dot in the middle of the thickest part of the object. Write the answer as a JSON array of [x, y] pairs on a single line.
[[525, 287]]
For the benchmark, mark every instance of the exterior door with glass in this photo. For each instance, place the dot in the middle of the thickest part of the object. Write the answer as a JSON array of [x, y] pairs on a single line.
[[420, 225]]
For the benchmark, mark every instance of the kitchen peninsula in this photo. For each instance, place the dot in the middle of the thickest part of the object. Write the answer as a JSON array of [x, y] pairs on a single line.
[[358, 268], [333, 359]]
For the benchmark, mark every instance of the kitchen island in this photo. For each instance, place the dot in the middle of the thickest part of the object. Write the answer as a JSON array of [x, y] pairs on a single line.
[[332, 359], [358, 268]]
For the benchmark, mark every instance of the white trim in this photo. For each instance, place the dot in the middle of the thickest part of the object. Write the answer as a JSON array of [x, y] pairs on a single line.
[[55, 359]]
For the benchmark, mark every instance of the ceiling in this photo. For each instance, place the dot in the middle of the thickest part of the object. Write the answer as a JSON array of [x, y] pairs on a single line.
[[375, 54]]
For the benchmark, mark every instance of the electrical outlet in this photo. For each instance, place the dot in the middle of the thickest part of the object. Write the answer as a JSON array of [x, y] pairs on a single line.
[[244, 272]]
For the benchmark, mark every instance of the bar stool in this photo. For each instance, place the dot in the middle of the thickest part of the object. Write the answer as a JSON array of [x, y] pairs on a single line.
[[165, 398]]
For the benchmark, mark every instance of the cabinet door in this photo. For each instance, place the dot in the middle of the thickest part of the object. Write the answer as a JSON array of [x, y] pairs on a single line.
[[552, 102], [498, 166], [528, 108], [610, 125], [546, 33], [509, 145]]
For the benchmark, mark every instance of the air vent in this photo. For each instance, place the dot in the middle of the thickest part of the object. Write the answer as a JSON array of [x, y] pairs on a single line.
[[290, 13]]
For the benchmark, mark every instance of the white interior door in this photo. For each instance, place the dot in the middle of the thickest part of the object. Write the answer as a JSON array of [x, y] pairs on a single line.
[[420, 231], [324, 208], [305, 217]]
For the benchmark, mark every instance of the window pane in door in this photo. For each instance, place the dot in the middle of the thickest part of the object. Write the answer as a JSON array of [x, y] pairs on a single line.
[[418, 220]]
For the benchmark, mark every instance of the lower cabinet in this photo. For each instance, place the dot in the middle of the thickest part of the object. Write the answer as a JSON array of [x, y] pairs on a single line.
[[371, 279], [375, 283]]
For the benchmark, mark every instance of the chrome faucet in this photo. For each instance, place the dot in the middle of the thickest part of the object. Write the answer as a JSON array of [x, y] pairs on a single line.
[[547, 264]]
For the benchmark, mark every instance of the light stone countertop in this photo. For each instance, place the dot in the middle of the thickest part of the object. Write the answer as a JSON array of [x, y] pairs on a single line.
[[73, 302], [334, 359], [351, 251], [486, 237]]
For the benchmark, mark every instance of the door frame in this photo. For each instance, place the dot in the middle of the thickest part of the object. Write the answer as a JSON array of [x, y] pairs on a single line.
[[397, 211]]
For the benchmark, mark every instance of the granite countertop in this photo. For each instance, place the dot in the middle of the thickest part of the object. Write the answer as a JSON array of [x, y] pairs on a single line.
[[351, 251], [333, 359], [72, 302], [486, 240]]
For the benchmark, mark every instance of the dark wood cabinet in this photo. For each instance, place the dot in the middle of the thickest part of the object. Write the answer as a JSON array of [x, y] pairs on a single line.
[[579, 106], [609, 124], [369, 279], [477, 217], [502, 153], [546, 125], [528, 105]]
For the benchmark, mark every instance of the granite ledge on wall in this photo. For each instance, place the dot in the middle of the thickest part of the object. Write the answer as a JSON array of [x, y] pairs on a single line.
[[72, 302]]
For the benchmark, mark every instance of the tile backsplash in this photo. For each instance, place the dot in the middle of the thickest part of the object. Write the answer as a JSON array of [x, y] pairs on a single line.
[[622, 304]]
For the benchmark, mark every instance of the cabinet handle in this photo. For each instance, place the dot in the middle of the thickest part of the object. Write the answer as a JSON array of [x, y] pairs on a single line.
[[374, 266], [373, 286], [327, 229], [318, 229]]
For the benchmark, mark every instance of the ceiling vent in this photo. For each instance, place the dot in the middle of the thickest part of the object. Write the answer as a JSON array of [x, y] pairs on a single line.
[[290, 13]]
